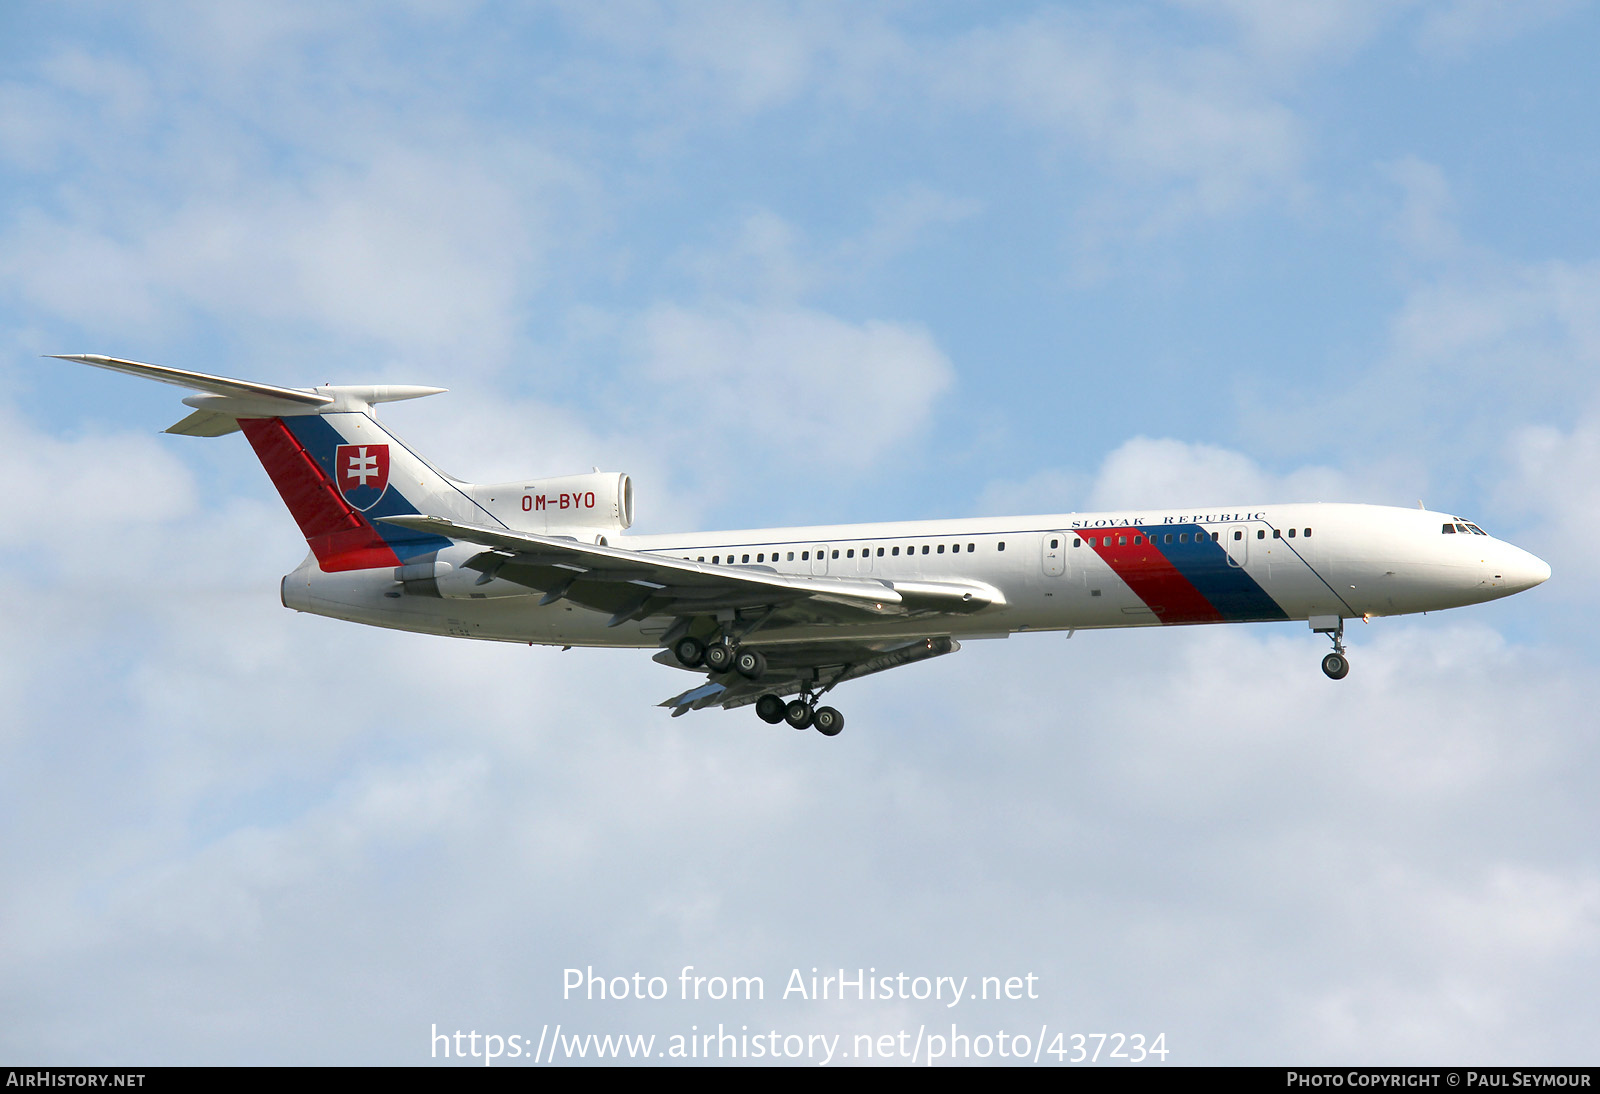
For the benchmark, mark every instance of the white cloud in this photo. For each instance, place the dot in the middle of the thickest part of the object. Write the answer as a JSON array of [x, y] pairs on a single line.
[[1459, 27], [414, 253], [1549, 481], [788, 383], [766, 258], [1164, 472], [1152, 472], [1161, 116], [1285, 36]]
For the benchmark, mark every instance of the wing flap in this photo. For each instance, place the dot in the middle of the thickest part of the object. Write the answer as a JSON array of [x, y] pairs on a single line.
[[793, 667]]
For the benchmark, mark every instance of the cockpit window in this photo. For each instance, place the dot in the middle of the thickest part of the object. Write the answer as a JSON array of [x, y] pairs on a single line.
[[1465, 527], [1449, 529]]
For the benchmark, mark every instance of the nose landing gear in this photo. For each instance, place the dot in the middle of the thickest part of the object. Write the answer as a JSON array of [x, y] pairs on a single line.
[[1335, 665]]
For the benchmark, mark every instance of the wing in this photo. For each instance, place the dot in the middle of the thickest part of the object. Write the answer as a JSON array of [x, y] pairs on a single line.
[[804, 667], [632, 585]]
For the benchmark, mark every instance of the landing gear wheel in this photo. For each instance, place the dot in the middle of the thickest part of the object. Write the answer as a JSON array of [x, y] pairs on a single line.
[[798, 714], [828, 721], [1336, 665], [690, 651], [719, 657], [770, 709], [750, 664]]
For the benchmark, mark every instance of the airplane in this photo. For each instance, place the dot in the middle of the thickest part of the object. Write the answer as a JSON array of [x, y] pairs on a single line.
[[776, 612]]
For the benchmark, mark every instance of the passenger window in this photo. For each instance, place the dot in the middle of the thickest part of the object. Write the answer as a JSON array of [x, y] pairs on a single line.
[[1214, 537], [1277, 533], [1076, 542], [1261, 533], [836, 554], [805, 556], [1183, 537], [893, 551], [1054, 544], [702, 558], [1122, 541], [971, 547], [791, 556], [1002, 545], [744, 558], [1308, 533], [1169, 537], [1237, 535], [851, 553], [716, 560], [1291, 533], [924, 548], [941, 549], [880, 552]]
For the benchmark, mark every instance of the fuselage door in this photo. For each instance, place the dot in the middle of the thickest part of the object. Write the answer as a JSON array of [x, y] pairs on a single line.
[[1053, 553], [819, 559], [1236, 541]]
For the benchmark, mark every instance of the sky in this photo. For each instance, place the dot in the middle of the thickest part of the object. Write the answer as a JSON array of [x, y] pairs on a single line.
[[795, 263]]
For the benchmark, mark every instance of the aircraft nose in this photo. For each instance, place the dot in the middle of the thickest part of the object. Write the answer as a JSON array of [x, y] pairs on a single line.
[[1524, 570]]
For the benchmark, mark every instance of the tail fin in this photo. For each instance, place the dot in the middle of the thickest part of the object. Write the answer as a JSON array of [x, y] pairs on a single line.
[[334, 464]]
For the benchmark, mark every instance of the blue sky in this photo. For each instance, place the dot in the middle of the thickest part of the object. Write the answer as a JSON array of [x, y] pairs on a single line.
[[795, 263]]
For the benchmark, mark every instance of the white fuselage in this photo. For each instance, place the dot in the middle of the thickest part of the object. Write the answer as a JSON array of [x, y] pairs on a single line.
[[1064, 572]]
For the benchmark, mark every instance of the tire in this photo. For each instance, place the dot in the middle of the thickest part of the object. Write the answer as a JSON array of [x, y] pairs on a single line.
[[797, 714], [718, 657], [828, 721], [751, 664], [690, 652], [770, 708], [1336, 665]]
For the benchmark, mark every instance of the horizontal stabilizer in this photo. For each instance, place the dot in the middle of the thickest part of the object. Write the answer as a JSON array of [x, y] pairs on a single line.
[[224, 399], [200, 381]]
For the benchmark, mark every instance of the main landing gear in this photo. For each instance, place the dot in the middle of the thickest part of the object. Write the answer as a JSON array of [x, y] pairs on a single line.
[[800, 713], [1336, 665], [720, 656]]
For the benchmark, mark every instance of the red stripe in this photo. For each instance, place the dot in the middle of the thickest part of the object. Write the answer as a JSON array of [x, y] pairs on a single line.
[[339, 536], [1152, 578]]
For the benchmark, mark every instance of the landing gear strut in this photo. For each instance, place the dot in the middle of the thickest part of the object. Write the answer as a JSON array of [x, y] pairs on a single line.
[[1336, 665]]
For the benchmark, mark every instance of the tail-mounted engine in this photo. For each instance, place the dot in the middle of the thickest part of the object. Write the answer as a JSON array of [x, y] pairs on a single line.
[[592, 505]]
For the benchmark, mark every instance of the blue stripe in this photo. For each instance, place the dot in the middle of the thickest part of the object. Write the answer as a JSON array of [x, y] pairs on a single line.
[[1204, 562]]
